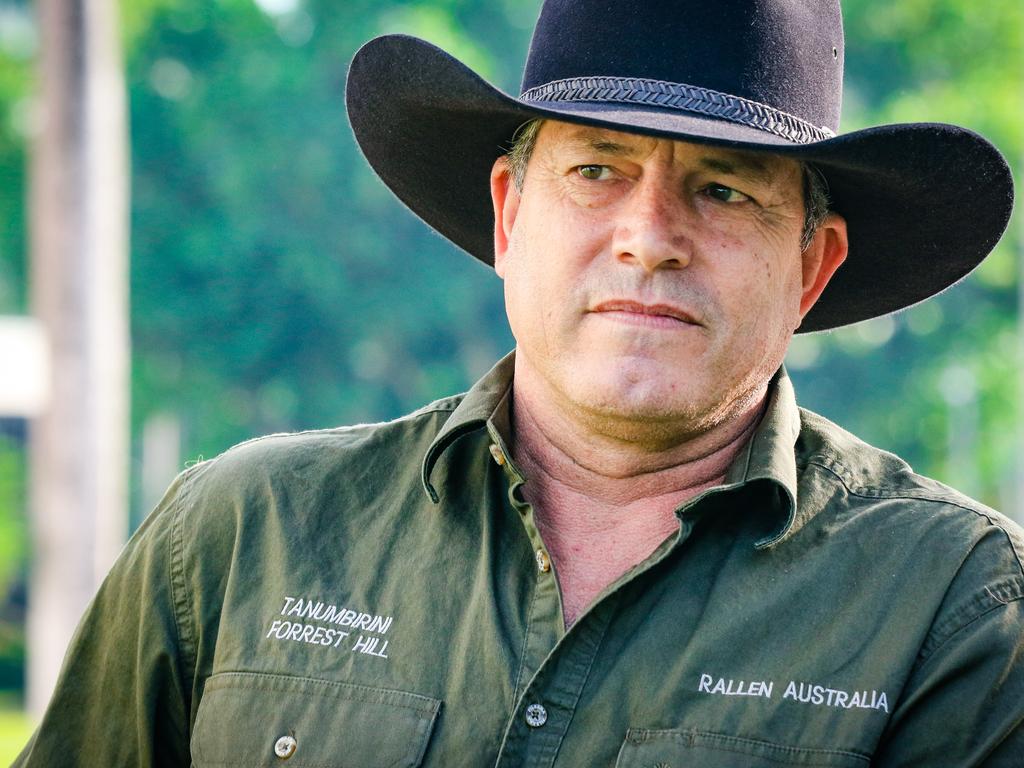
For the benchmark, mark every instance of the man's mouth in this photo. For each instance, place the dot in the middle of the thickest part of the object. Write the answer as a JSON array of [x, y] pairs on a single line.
[[654, 315]]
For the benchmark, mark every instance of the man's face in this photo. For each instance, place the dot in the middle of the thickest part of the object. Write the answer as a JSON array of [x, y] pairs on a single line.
[[653, 280]]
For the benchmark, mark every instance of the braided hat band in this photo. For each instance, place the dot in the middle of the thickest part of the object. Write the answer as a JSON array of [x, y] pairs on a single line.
[[686, 98]]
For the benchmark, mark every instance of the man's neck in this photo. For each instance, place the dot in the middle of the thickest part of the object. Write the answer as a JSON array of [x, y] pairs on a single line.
[[604, 503], [564, 454]]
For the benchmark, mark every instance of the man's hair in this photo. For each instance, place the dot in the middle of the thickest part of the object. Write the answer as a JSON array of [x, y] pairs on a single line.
[[816, 201]]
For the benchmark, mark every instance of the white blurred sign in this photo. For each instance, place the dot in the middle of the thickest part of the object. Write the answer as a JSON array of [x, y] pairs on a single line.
[[24, 367]]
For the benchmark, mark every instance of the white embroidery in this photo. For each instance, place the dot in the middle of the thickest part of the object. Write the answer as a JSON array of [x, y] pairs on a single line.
[[731, 688], [805, 693], [315, 614], [823, 696]]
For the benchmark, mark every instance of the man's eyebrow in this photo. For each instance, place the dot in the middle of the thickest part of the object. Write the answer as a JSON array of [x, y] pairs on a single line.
[[602, 144], [748, 165], [606, 147], [740, 165]]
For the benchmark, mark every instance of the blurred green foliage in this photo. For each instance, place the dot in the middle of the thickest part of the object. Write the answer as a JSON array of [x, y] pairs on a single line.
[[938, 384], [13, 529], [277, 285], [15, 729], [13, 557], [17, 47]]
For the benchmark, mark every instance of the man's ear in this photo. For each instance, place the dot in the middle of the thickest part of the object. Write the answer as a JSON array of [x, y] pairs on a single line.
[[822, 258], [505, 199]]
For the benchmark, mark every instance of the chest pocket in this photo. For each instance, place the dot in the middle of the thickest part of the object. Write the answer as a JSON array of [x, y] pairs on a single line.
[[646, 748], [252, 720]]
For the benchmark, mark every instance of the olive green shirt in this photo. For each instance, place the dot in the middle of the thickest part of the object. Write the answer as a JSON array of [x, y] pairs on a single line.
[[379, 595]]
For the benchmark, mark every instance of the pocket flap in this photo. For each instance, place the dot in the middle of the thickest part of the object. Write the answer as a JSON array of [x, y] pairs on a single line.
[[646, 748], [253, 719]]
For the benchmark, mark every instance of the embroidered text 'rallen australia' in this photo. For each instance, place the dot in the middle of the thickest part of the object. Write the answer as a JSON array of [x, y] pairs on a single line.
[[833, 697], [708, 684], [805, 693]]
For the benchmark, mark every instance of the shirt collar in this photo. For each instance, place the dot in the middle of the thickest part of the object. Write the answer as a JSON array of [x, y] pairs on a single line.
[[475, 410], [769, 456]]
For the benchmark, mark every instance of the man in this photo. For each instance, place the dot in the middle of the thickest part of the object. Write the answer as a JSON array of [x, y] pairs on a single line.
[[625, 545]]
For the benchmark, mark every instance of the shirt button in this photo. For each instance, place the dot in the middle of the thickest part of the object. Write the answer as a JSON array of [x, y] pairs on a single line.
[[285, 747], [543, 561], [536, 715], [498, 455]]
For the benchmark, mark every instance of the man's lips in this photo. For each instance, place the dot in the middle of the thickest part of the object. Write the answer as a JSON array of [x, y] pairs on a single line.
[[654, 314]]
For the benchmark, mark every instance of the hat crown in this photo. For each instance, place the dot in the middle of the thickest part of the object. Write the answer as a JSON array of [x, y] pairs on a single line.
[[787, 54]]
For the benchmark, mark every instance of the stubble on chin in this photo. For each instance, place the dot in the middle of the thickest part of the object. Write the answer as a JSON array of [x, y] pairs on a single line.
[[655, 414]]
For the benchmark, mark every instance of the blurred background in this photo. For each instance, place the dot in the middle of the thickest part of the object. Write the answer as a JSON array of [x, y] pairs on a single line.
[[180, 174]]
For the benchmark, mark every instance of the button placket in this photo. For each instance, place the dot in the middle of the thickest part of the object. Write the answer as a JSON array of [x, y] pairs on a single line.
[[535, 733], [543, 561], [536, 715], [497, 454]]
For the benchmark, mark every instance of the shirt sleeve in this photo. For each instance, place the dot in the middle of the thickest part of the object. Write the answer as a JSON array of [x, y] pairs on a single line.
[[963, 705], [123, 694]]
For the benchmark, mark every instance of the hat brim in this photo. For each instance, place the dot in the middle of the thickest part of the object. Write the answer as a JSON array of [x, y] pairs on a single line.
[[924, 203]]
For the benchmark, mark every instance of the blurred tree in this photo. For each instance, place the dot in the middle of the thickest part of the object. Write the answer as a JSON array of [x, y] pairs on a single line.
[[283, 287], [79, 246]]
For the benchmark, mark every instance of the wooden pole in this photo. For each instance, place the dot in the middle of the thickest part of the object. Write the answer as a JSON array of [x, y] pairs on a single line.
[[79, 290]]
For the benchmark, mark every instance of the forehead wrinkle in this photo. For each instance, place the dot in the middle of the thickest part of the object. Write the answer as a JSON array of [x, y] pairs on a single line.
[[606, 147], [605, 142], [766, 169]]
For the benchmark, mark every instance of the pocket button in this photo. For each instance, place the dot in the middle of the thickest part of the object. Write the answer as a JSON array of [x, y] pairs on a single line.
[[285, 747]]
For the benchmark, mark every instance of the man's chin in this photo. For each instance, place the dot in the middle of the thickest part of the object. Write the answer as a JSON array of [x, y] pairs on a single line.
[[639, 384], [655, 431], [642, 408]]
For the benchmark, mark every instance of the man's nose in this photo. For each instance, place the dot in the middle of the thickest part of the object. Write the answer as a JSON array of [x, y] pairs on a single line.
[[652, 228]]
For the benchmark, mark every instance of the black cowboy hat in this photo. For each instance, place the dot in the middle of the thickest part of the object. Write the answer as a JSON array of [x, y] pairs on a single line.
[[924, 203]]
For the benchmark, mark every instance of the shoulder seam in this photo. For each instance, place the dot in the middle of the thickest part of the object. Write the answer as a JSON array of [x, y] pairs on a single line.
[[1016, 554], [438, 409], [989, 599], [425, 411], [180, 598], [880, 493], [978, 510]]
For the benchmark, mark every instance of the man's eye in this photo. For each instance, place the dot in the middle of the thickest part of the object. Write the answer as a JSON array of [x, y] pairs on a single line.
[[593, 172], [724, 193]]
